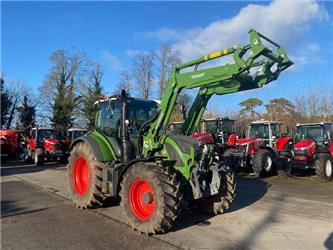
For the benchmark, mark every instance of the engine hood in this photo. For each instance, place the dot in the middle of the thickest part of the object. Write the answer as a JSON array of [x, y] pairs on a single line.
[[52, 141], [243, 142], [305, 144]]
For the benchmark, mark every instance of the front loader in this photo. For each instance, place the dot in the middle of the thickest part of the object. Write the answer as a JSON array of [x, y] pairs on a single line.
[[131, 155]]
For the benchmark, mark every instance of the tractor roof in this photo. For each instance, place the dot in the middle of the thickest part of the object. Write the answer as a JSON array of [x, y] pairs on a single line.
[[219, 118], [77, 129], [265, 122], [43, 128], [312, 124]]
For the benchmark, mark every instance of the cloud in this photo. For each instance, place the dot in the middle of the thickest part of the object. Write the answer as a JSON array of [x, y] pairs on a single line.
[[281, 20], [112, 60]]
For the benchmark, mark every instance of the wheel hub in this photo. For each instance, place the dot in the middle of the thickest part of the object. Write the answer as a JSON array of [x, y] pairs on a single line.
[[328, 168], [81, 176], [268, 164], [142, 199]]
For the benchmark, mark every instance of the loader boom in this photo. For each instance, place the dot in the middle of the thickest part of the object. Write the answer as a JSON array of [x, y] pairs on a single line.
[[219, 80]]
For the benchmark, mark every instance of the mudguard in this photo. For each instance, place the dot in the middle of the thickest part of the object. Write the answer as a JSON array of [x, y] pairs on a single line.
[[99, 145]]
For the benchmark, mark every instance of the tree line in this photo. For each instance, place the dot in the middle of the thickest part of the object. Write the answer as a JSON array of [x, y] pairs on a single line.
[[74, 83]]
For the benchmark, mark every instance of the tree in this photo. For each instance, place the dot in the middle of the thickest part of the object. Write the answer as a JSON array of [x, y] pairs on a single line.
[[166, 58], [281, 109], [125, 83], [143, 65], [59, 91], [27, 114], [92, 94], [183, 105], [17, 91], [249, 107], [6, 102]]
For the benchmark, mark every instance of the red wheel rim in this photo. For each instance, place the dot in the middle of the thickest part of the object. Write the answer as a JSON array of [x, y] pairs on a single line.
[[81, 176], [142, 200]]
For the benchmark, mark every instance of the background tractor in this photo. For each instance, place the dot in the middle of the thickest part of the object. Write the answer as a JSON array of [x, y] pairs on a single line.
[[260, 149], [220, 128], [12, 144], [313, 149], [44, 145], [131, 154]]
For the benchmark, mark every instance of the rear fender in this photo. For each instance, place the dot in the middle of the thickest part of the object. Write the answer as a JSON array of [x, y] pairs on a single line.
[[331, 148], [101, 147]]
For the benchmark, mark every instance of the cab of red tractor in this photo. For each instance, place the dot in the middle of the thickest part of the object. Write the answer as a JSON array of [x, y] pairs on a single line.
[[222, 129], [44, 145], [313, 149]]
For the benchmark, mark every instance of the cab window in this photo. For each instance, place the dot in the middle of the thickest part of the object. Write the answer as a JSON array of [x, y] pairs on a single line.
[[109, 118]]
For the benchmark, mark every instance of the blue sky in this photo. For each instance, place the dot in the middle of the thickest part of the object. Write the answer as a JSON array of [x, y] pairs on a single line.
[[110, 32]]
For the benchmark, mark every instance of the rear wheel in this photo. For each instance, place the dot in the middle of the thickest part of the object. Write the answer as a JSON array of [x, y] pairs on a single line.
[[84, 177], [324, 167], [219, 204], [263, 162], [38, 157], [150, 198]]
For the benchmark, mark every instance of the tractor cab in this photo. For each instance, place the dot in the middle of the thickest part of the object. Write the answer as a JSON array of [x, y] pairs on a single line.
[[136, 113], [311, 138], [267, 131], [219, 128]]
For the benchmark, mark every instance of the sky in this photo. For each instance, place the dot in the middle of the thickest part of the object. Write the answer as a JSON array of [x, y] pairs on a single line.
[[112, 32]]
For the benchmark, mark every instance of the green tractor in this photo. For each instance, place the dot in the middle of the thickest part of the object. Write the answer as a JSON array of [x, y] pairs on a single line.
[[131, 155]]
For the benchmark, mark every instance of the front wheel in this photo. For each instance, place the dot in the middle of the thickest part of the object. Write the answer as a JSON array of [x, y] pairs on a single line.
[[284, 168], [84, 177], [219, 203], [150, 198], [324, 167], [263, 162]]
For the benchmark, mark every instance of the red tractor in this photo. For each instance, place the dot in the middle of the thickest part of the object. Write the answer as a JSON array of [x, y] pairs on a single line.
[[44, 145], [260, 149], [11, 144], [313, 149], [72, 134]]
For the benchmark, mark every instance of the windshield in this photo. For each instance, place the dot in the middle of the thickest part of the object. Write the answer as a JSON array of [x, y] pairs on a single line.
[[314, 132], [46, 133], [259, 130], [139, 112], [78, 133]]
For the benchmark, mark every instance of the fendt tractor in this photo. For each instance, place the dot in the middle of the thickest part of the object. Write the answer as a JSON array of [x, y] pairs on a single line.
[[261, 147], [131, 155], [313, 149], [44, 145]]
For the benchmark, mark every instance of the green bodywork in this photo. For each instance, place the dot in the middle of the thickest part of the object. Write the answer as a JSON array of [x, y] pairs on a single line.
[[219, 80]]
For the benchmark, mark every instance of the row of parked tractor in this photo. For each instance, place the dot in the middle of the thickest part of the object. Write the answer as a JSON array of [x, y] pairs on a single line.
[[39, 145], [265, 150]]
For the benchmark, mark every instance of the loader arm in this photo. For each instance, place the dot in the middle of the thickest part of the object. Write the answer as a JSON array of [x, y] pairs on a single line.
[[220, 80]]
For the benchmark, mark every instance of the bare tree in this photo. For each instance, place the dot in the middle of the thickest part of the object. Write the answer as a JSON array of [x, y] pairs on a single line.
[[166, 58], [143, 66], [125, 83]]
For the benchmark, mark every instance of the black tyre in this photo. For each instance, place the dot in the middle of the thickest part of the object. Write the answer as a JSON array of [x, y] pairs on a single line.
[[84, 177], [324, 167], [231, 158], [263, 162], [39, 157], [284, 169], [150, 198], [219, 204]]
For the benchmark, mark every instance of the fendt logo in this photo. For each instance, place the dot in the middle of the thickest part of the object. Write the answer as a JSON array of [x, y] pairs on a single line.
[[198, 75]]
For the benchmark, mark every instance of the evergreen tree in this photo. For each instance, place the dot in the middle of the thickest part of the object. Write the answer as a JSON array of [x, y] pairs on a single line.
[[6, 103], [26, 115], [94, 91]]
